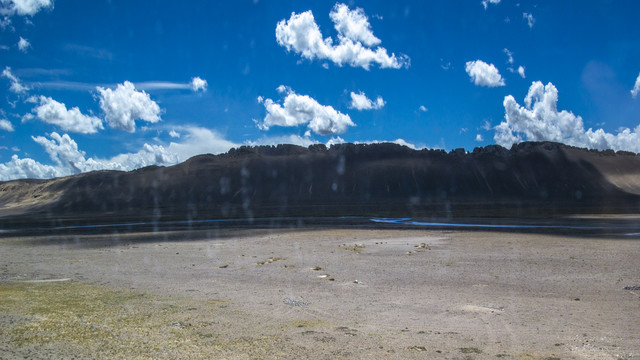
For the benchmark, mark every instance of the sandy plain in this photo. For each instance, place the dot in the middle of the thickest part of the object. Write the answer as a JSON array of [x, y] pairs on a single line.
[[319, 294]]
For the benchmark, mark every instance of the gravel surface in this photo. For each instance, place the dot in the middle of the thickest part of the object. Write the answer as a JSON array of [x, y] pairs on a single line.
[[320, 293]]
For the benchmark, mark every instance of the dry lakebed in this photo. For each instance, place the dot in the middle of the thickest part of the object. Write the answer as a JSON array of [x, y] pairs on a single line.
[[319, 294]]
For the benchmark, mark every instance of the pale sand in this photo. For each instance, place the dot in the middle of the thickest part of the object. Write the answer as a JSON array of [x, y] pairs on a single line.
[[263, 294]]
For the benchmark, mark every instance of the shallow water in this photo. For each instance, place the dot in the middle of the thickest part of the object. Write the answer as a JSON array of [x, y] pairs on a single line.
[[628, 228], [568, 226], [409, 221]]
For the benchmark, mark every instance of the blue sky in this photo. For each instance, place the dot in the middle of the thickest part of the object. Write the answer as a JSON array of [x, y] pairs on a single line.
[[120, 84]]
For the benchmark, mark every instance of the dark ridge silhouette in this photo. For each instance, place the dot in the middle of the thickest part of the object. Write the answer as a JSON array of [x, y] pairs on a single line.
[[530, 179]]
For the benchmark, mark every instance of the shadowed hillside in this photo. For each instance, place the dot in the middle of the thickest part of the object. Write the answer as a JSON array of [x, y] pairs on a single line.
[[530, 179]]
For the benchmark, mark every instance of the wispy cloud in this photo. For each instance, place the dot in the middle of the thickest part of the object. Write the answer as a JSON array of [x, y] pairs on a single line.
[[529, 19], [143, 85], [16, 85], [67, 85], [636, 88], [162, 85], [486, 3], [6, 125], [509, 55], [89, 51], [23, 44]]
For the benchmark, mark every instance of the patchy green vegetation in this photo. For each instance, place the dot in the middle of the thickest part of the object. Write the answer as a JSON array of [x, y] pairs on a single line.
[[100, 322]]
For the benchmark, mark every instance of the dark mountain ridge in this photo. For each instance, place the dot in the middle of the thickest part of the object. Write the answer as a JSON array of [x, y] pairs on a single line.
[[530, 179]]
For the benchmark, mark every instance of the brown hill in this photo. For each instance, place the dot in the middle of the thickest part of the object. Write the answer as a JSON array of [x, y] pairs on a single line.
[[530, 179]]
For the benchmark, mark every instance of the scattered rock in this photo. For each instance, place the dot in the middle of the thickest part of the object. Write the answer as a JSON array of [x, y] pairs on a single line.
[[489, 309], [270, 260], [470, 350], [294, 302], [632, 288], [347, 331], [179, 324], [417, 348]]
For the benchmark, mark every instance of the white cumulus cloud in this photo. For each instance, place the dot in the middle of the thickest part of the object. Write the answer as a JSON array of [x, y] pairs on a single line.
[[125, 104], [360, 101], [198, 84], [334, 141], [486, 3], [199, 140], [301, 34], [479, 137], [401, 142], [23, 44], [353, 24], [6, 125], [302, 109], [423, 108], [540, 120], [56, 113], [521, 71], [285, 139], [68, 159], [636, 88], [23, 7], [64, 152], [19, 168], [16, 86], [483, 74]]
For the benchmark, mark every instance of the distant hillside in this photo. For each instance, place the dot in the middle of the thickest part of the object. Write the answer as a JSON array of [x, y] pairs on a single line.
[[530, 179]]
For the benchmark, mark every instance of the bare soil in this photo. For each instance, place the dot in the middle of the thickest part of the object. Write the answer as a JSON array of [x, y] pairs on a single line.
[[322, 294]]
